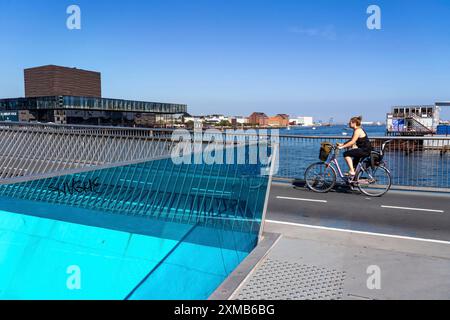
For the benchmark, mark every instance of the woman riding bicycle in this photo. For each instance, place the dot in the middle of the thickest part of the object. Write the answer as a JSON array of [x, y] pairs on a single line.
[[360, 143]]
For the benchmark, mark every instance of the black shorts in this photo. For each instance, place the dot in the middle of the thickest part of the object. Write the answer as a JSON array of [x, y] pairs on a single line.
[[357, 155]]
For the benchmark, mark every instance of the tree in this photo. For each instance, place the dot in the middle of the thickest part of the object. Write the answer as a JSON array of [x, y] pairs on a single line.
[[224, 123], [190, 124]]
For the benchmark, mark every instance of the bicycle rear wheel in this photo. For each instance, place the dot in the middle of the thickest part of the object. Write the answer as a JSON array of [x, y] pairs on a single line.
[[320, 177], [374, 182]]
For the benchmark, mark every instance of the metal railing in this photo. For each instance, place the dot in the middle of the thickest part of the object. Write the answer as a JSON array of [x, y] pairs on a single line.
[[415, 162], [30, 150]]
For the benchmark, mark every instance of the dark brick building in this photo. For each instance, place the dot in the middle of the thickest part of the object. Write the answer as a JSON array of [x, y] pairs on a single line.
[[258, 118], [53, 80]]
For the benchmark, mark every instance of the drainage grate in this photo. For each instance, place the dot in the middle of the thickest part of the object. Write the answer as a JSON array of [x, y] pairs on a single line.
[[280, 280]]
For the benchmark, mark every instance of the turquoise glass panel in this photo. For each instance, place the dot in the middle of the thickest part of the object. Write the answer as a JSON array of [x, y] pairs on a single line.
[[149, 230]]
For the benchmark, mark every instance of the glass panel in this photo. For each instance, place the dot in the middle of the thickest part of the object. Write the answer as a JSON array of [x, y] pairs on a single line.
[[83, 103], [180, 229]]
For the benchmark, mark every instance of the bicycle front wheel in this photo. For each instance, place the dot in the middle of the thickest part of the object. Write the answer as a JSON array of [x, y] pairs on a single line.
[[374, 182], [320, 177]]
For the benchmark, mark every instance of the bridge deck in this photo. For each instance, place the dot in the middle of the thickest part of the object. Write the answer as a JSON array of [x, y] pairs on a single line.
[[330, 242]]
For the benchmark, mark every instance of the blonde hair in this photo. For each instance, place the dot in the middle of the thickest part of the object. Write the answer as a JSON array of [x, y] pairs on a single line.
[[357, 120]]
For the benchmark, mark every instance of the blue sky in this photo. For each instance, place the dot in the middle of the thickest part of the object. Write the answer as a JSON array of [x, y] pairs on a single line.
[[226, 56]]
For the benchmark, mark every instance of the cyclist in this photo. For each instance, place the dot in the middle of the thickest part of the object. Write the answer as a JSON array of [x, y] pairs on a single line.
[[360, 143]]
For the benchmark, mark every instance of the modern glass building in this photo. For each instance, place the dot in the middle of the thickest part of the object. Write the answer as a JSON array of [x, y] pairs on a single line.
[[93, 111], [64, 95]]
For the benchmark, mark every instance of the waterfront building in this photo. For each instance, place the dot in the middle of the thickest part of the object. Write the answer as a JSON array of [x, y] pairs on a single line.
[[63, 95], [48, 81], [258, 119], [302, 121], [192, 119], [280, 120], [216, 118], [413, 120], [239, 121]]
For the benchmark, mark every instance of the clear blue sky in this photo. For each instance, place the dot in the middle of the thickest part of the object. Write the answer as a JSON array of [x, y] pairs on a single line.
[[234, 57]]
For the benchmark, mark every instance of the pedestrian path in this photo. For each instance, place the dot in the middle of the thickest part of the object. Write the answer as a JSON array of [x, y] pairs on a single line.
[[310, 263]]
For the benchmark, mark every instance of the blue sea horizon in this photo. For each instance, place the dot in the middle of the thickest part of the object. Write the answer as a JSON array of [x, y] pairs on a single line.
[[336, 130]]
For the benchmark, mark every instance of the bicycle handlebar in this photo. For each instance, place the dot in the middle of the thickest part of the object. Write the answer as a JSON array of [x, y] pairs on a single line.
[[336, 150], [383, 146]]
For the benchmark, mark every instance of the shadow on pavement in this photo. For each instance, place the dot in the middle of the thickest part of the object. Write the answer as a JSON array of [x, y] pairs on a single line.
[[339, 188]]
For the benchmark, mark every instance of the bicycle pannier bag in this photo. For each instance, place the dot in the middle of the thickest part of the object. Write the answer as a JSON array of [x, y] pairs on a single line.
[[325, 151], [375, 159]]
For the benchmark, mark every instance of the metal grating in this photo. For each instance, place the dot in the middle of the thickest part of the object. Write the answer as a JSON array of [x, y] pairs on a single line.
[[280, 280]]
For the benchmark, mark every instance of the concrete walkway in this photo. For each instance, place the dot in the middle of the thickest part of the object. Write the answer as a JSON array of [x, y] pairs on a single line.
[[317, 258]]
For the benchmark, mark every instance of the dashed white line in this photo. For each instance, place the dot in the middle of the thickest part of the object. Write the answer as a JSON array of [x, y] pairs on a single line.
[[301, 199], [413, 209], [358, 232]]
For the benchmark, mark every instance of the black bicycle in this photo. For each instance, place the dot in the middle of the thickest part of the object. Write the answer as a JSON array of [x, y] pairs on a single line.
[[372, 177]]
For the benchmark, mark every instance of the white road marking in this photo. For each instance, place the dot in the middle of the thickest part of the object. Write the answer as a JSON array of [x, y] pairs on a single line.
[[358, 232], [413, 209], [301, 199]]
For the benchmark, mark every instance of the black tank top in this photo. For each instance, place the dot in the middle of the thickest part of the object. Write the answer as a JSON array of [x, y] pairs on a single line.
[[364, 143]]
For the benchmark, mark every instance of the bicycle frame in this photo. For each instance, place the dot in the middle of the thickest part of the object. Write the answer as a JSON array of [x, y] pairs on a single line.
[[334, 161]]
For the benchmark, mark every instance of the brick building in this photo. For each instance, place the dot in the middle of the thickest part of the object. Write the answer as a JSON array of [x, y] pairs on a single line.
[[53, 80], [258, 118], [280, 120]]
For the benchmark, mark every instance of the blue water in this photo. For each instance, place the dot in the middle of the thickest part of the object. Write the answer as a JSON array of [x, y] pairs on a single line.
[[337, 130]]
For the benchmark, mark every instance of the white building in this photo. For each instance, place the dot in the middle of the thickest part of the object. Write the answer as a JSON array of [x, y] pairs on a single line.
[[302, 121], [240, 120], [192, 119], [216, 118], [420, 119]]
